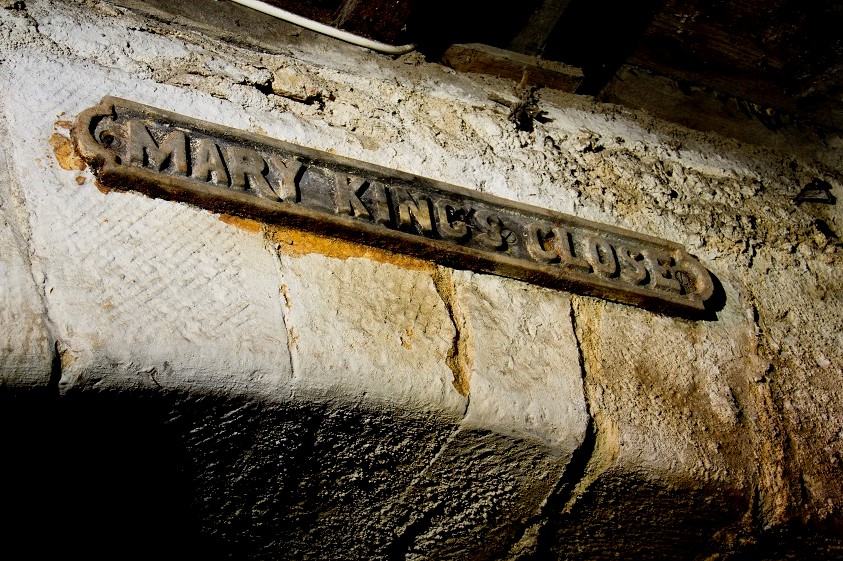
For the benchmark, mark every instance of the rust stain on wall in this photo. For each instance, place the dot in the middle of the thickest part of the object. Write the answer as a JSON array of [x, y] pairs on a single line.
[[298, 242], [243, 223], [460, 357], [102, 188], [65, 153]]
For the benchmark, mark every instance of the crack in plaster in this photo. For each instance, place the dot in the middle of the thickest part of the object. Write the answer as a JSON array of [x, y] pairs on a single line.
[[460, 357], [776, 493], [18, 218], [604, 452], [535, 541], [274, 248], [56, 367], [401, 546]]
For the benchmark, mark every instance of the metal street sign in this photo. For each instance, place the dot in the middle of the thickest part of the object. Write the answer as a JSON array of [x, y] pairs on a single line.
[[162, 154]]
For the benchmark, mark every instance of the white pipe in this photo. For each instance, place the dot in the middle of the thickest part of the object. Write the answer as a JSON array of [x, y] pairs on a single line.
[[326, 29]]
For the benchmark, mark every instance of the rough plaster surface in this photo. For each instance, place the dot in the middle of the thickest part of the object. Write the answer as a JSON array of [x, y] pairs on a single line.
[[319, 406], [523, 361], [799, 306], [27, 347], [676, 409], [122, 263], [360, 329]]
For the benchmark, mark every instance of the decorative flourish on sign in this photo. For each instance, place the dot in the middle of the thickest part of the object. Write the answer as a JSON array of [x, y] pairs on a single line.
[[817, 191], [136, 147]]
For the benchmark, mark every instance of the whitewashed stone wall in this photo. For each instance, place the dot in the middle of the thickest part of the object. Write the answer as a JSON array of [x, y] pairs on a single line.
[[330, 401]]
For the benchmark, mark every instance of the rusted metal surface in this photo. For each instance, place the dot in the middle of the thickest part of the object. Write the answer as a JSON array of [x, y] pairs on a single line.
[[162, 154]]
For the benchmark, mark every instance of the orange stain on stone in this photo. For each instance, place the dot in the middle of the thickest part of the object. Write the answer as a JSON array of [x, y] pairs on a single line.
[[101, 188], [247, 224], [67, 358], [66, 154], [297, 242]]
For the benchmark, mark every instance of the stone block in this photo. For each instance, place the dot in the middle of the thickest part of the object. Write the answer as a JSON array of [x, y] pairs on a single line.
[[365, 330], [799, 298], [678, 422], [141, 292], [517, 358], [523, 360], [27, 348]]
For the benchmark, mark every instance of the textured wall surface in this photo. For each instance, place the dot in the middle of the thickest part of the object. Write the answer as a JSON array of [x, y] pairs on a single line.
[[188, 382]]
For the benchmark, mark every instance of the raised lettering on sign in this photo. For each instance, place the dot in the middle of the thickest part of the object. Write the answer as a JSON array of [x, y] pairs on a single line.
[[132, 146]]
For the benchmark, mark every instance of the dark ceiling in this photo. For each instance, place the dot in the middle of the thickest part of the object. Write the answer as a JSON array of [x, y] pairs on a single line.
[[778, 56]]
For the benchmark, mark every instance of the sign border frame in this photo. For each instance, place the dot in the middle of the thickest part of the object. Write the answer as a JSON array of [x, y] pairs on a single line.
[[220, 199]]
